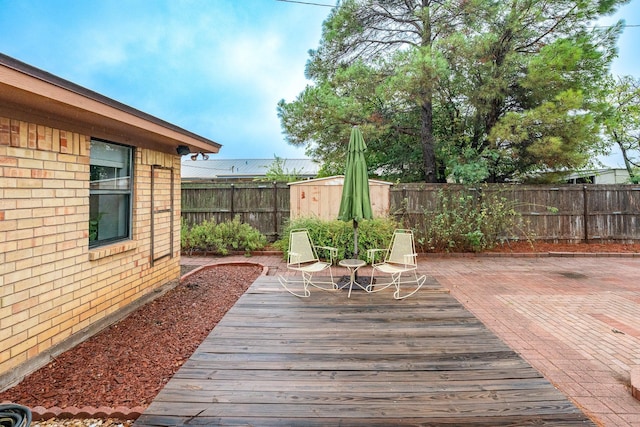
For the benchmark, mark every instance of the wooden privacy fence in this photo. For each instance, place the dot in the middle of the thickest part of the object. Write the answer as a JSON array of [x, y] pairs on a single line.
[[572, 213], [569, 213], [264, 206]]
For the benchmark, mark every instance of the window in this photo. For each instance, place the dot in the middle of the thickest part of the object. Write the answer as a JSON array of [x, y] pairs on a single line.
[[111, 177], [582, 180]]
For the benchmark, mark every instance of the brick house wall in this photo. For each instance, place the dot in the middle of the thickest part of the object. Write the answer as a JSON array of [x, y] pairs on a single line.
[[54, 290]]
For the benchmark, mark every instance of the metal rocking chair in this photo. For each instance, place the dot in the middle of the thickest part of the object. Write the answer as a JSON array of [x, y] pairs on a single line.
[[399, 258], [303, 257]]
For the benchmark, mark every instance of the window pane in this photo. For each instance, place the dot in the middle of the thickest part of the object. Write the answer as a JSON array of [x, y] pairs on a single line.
[[106, 154], [110, 166], [109, 217], [107, 178]]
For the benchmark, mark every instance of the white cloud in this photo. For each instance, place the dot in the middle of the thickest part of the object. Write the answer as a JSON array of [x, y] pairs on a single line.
[[217, 68]]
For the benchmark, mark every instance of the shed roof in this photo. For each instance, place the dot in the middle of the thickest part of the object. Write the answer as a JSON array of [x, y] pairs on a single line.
[[243, 168], [336, 180], [29, 93]]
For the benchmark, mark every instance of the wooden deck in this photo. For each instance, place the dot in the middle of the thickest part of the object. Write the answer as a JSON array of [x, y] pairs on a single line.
[[365, 361]]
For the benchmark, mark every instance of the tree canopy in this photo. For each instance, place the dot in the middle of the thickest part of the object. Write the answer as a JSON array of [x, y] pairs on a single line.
[[622, 121], [472, 90]]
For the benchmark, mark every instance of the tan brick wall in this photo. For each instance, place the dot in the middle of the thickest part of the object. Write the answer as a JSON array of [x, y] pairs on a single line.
[[52, 285]]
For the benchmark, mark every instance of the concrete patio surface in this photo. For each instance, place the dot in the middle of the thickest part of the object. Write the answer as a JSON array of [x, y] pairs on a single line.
[[573, 317]]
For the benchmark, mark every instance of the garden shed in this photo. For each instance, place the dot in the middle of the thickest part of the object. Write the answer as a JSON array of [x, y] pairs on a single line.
[[89, 213], [320, 197]]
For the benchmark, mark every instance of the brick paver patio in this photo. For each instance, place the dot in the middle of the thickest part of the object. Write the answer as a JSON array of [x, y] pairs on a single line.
[[574, 318]]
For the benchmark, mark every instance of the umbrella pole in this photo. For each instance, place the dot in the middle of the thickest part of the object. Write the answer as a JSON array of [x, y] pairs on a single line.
[[355, 239], [355, 245]]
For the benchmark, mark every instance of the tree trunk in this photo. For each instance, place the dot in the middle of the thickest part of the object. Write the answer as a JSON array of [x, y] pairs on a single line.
[[426, 137], [625, 157], [426, 109]]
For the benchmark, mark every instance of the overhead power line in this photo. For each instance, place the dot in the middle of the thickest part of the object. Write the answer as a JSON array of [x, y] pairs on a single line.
[[308, 3], [611, 26]]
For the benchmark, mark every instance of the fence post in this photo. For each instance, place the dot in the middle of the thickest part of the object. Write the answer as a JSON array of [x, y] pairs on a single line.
[[404, 202], [233, 214], [275, 209], [586, 214]]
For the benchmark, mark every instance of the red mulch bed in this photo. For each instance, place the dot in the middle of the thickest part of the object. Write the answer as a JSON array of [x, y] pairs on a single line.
[[129, 362]]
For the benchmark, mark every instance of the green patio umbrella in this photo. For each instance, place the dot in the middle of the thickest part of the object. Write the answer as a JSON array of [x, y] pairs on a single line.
[[355, 204]]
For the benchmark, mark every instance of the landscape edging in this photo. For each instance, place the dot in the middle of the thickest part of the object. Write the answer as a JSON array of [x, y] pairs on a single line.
[[40, 413]]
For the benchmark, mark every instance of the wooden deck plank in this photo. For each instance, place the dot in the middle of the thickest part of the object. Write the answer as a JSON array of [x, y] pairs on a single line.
[[494, 389], [489, 421], [426, 380], [372, 410], [381, 399], [275, 359]]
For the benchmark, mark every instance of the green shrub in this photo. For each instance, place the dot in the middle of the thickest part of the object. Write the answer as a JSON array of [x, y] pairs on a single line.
[[375, 233], [469, 220], [185, 235], [221, 238]]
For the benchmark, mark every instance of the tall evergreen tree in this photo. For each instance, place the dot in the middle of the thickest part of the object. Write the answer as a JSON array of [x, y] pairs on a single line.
[[471, 89]]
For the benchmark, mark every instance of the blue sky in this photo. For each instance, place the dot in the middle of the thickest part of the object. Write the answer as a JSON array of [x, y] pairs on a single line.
[[214, 67]]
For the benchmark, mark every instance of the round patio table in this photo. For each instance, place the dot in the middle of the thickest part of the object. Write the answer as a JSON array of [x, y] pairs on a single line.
[[353, 265]]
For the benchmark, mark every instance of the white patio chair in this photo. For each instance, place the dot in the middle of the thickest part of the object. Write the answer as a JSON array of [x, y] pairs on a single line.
[[303, 257], [399, 258]]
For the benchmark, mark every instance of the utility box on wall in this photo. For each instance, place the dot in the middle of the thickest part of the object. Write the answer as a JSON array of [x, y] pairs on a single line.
[[320, 197]]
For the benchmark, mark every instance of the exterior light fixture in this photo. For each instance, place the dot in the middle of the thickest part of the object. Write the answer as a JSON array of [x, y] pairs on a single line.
[[183, 150], [194, 157]]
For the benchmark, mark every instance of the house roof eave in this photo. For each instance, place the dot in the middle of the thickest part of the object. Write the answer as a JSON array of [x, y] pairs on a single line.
[[28, 92]]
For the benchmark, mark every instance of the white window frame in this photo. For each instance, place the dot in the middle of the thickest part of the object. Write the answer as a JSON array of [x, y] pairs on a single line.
[[110, 192]]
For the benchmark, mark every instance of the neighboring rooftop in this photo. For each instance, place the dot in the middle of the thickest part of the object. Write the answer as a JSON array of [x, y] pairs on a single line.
[[243, 169], [599, 176]]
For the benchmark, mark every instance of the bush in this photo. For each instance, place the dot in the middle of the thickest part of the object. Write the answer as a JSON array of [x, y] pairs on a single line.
[[221, 238], [375, 233], [469, 221]]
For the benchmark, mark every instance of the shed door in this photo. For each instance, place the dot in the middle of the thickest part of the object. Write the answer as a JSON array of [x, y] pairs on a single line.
[[161, 212]]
